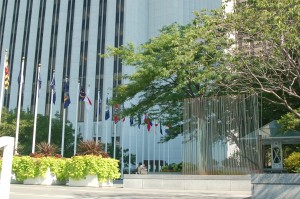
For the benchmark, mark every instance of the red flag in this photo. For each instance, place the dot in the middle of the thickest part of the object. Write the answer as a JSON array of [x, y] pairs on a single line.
[[148, 122], [116, 118]]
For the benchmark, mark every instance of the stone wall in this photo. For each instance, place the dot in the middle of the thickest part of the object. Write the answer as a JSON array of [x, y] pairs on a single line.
[[188, 182], [275, 186]]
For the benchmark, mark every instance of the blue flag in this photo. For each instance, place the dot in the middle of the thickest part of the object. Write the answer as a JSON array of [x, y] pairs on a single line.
[[139, 121], [82, 94], [160, 128], [67, 100], [53, 89], [107, 115], [131, 121]]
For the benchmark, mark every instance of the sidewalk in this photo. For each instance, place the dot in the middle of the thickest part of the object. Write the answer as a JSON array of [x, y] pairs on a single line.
[[20, 191]]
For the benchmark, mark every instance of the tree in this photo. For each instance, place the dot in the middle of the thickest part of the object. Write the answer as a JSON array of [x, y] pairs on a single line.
[[8, 128], [110, 152], [267, 58], [181, 62]]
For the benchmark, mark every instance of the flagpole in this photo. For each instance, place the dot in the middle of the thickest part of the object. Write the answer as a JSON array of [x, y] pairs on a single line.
[[106, 124], [97, 123], [164, 153], [136, 148], [154, 146], [50, 114], [106, 136], [2, 85], [129, 151], [19, 107], [63, 127], [86, 129], [148, 150], [122, 155], [63, 133], [168, 153], [76, 120], [36, 108], [158, 157], [143, 144], [115, 133]]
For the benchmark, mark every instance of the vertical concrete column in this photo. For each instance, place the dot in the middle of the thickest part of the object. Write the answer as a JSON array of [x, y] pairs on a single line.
[[8, 144]]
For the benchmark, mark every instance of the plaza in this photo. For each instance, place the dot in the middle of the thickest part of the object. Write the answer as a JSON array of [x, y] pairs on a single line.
[[117, 192]]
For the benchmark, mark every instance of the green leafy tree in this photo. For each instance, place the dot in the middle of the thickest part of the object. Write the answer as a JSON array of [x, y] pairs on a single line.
[[266, 59], [290, 122], [181, 62], [8, 128]]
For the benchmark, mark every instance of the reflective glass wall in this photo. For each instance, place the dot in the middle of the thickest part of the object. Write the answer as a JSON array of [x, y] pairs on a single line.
[[220, 135]]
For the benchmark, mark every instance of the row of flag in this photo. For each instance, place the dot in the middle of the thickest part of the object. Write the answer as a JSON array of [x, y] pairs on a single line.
[[83, 96]]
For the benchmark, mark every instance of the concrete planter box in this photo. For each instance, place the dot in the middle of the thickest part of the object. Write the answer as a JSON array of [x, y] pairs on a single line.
[[49, 179], [275, 186], [188, 182], [108, 183], [89, 181]]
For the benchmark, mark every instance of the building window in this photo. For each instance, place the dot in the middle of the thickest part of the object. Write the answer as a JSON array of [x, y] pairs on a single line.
[[38, 51], [99, 60]]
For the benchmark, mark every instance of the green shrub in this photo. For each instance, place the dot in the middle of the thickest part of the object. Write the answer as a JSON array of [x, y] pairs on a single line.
[[292, 163], [172, 168], [79, 167], [59, 168], [27, 167]]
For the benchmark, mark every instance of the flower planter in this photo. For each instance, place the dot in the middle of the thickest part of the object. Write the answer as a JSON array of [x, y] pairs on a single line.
[[108, 183], [88, 181], [49, 179], [14, 180]]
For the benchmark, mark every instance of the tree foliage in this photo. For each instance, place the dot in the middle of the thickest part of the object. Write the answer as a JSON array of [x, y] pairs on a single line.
[[266, 59], [254, 49], [181, 62], [8, 128]]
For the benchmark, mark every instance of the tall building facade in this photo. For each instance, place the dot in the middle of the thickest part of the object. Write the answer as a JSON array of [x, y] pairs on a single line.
[[65, 37]]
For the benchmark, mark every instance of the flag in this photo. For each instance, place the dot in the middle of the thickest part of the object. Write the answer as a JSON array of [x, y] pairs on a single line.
[[131, 121], [88, 103], [139, 121], [124, 118], [82, 94], [160, 127], [84, 97], [67, 100], [116, 108], [53, 89], [107, 115], [148, 122], [6, 76]]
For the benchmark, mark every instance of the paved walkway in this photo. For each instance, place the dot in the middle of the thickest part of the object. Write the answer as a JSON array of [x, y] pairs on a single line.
[[20, 191]]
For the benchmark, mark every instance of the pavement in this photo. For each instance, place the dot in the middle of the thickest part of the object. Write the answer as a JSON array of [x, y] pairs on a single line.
[[20, 191]]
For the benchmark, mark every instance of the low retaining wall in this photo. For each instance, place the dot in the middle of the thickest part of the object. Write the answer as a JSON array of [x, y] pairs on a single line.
[[277, 186], [188, 182]]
